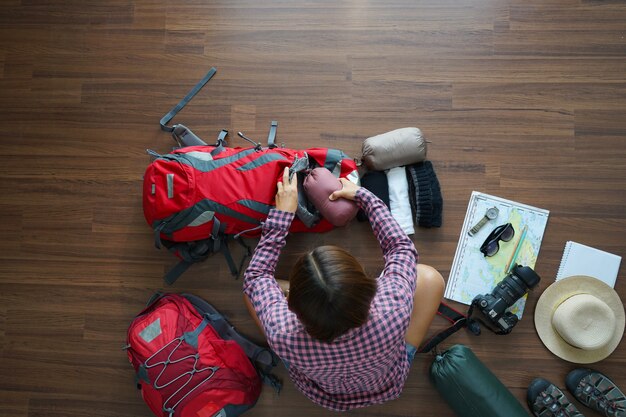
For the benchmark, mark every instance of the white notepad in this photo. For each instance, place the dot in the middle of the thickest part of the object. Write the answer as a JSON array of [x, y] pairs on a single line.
[[584, 260]]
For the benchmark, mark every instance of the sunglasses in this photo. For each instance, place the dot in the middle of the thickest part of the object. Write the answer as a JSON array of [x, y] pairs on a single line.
[[503, 233]]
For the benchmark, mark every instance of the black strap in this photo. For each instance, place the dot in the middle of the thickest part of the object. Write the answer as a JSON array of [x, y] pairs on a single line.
[[229, 260], [271, 137], [458, 320], [220, 243], [169, 116], [190, 253], [156, 296], [157, 235], [247, 253], [199, 250], [175, 273]]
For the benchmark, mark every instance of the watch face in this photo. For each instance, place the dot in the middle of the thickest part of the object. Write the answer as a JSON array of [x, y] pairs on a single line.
[[492, 213]]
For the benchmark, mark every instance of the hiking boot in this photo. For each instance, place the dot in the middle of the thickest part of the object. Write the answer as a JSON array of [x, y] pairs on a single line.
[[547, 400], [596, 391]]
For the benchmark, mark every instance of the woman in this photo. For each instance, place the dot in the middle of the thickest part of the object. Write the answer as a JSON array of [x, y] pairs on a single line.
[[347, 339]]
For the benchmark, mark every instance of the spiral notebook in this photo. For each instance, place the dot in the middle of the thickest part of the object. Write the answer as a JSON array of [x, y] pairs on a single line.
[[584, 260]]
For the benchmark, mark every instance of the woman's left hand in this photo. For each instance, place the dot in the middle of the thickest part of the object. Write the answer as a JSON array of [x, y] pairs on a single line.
[[287, 195]]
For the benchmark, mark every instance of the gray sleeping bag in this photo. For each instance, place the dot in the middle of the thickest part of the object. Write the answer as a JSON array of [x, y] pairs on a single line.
[[394, 149]]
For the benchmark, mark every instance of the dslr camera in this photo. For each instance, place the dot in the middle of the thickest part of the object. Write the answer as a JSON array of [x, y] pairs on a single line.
[[492, 307]]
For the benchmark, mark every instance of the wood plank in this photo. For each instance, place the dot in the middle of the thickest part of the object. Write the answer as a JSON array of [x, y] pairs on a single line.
[[523, 99]]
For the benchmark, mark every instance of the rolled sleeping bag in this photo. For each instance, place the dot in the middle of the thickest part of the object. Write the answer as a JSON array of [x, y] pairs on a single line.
[[318, 186], [470, 388], [394, 149]]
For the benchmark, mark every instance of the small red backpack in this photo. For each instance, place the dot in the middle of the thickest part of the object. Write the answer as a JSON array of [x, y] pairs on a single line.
[[190, 362]]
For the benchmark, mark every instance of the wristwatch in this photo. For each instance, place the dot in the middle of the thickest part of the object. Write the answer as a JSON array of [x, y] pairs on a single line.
[[491, 214]]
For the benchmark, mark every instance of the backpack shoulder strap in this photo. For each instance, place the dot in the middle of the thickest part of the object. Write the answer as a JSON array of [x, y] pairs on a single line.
[[199, 250], [170, 115], [263, 359], [185, 137]]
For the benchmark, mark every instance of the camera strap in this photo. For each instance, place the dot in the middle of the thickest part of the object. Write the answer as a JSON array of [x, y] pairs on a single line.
[[458, 321]]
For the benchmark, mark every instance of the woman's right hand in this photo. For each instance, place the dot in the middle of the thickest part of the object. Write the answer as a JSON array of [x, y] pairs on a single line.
[[348, 190], [287, 195]]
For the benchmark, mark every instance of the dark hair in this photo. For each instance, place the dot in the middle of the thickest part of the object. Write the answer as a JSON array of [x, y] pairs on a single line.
[[330, 292]]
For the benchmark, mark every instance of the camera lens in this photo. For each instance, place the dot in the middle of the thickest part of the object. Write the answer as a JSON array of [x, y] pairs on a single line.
[[510, 290], [526, 274], [516, 284]]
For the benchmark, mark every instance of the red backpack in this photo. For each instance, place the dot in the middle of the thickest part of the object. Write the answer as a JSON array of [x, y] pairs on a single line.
[[197, 196], [190, 362]]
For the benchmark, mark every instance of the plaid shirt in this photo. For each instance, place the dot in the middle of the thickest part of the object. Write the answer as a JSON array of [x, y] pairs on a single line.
[[367, 365]]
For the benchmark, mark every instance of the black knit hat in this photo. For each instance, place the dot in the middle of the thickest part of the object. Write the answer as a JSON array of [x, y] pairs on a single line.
[[424, 194]]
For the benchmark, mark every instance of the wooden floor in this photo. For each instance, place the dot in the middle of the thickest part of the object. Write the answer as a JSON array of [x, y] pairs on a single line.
[[522, 99]]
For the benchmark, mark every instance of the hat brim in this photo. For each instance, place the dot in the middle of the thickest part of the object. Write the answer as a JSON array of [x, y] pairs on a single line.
[[560, 291]]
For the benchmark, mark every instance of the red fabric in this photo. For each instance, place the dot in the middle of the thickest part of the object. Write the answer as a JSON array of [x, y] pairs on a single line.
[[225, 185], [234, 382]]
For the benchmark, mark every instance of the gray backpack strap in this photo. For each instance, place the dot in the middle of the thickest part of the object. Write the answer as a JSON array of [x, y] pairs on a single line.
[[271, 137], [199, 250], [185, 137], [170, 115]]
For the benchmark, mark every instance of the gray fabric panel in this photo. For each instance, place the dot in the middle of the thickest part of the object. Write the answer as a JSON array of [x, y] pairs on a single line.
[[222, 413], [337, 169], [203, 156], [153, 188], [354, 177], [261, 160], [152, 331], [231, 410], [332, 157], [204, 217], [206, 166], [256, 206], [170, 185], [189, 215]]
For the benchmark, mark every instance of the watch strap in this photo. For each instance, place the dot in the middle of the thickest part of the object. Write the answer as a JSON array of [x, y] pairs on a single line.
[[478, 225]]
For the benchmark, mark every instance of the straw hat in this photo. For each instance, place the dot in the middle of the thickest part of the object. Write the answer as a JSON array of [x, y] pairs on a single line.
[[580, 319]]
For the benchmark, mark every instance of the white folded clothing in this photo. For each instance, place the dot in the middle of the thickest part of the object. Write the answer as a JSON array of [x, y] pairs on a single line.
[[399, 202]]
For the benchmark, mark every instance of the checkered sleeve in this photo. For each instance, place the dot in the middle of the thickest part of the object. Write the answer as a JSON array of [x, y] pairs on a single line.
[[259, 283], [398, 250]]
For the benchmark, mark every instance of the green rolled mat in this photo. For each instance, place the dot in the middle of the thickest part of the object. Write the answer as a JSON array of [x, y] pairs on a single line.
[[470, 388]]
